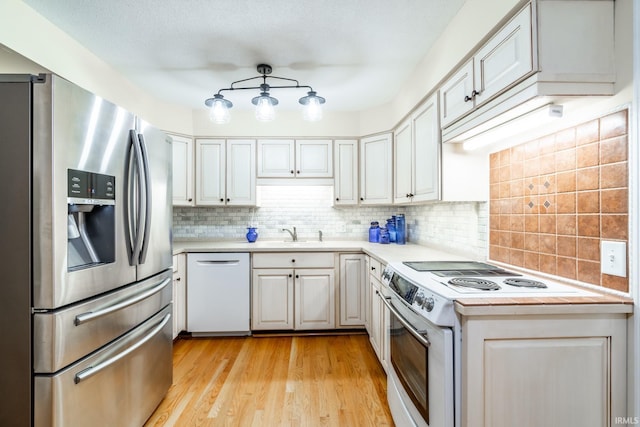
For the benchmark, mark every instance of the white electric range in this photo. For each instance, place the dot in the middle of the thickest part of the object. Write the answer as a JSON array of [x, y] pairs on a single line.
[[424, 379]]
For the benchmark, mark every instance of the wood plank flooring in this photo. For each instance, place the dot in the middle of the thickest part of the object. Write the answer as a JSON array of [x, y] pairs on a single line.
[[275, 381]]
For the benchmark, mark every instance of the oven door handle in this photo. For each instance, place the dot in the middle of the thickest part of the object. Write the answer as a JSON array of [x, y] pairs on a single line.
[[417, 335]]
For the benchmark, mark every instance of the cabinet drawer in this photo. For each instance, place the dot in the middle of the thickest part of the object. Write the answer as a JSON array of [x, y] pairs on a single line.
[[375, 268], [294, 260]]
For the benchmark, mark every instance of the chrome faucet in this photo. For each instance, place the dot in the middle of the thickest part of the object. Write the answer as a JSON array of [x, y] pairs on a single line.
[[294, 234]]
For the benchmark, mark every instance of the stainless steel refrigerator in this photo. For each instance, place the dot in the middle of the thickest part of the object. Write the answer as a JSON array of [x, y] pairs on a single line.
[[85, 238]]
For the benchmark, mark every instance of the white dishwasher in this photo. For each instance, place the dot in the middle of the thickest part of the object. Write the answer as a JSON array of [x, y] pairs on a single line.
[[218, 294]]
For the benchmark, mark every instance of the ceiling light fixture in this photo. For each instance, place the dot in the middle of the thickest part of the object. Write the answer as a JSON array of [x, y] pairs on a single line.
[[265, 103]]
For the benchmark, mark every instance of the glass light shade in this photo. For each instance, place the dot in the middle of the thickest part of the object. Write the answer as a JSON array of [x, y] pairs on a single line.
[[219, 109], [312, 112], [312, 106], [264, 109]]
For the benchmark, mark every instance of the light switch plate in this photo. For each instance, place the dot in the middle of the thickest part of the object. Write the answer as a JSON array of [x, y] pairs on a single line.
[[613, 258]]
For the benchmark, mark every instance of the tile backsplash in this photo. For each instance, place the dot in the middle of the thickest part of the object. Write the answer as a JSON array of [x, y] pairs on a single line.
[[458, 227], [554, 199]]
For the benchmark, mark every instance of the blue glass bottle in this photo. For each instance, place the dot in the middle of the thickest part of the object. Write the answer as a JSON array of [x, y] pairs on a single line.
[[391, 227], [400, 229], [374, 232], [384, 236]]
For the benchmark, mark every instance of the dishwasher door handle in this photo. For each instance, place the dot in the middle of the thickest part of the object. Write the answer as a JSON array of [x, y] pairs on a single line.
[[218, 262]]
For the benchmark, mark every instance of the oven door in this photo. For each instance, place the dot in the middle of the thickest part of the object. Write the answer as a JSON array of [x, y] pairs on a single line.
[[420, 383]]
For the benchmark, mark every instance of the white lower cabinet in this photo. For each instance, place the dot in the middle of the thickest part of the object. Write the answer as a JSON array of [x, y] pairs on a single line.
[[293, 291], [379, 317], [543, 369], [353, 291], [179, 295]]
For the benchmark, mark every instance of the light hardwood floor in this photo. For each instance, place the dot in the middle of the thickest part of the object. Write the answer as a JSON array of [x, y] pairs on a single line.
[[275, 381]]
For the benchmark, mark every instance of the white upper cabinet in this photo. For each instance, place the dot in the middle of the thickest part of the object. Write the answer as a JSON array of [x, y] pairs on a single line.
[[417, 155], [276, 158], [314, 158], [376, 168], [426, 151], [288, 158], [548, 50], [225, 172], [504, 59], [456, 95], [346, 180], [182, 171]]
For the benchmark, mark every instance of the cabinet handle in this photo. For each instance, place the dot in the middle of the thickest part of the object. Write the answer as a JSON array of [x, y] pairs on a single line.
[[297, 276], [190, 200], [373, 269], [298, 172], [475, 93], [337, 199], [228, 200], [177, 279], [291, 171], [362, 198], [293, 260], [221, 200], [290, 275], [467, 98]]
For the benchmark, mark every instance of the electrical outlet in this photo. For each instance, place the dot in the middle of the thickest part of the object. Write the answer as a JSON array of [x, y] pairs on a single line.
[[613, 258]]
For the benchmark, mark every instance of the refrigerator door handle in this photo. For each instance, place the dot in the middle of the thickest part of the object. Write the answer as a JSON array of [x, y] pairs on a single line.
[[91, 315], [147, 200], [93, 370], [134, 207]]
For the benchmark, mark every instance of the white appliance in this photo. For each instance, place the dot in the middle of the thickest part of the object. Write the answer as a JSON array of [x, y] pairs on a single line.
[[85, 304], [424, 382], [218, 294]]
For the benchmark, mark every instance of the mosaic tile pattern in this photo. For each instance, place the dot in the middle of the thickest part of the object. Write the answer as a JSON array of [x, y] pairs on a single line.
[[552, 200]]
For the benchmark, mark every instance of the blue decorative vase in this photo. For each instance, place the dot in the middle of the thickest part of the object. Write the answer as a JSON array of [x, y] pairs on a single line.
[[252, 234]]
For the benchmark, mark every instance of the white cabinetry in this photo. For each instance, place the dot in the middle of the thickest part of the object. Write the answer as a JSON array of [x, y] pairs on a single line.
[[288, 158], [546, 369], [502, 61], [417, 155], [225, 172], [353, 282], [346, 165], [179, 294], [293, 291], [528, 63], [376, 168], [379, 316], [182, 170]]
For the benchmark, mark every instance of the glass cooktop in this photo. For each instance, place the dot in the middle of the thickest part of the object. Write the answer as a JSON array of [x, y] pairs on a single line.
[[458, 268]]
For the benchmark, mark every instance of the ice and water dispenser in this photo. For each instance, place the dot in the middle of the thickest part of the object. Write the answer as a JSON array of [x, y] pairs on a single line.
[[91, 219]]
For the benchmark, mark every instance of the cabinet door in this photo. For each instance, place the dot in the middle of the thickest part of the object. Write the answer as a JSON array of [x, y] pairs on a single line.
[[182, 171], [314, 159], [314, 299], [346, 180], [353, 282], [276, 158], [376, 169], [272, 299], [404, 163], [210, 172], [241, 172], [426, 157], [456, 98], [376, 322], [504, 59]]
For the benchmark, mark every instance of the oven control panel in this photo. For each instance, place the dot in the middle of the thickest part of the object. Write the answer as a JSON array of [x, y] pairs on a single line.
[[434, 307]]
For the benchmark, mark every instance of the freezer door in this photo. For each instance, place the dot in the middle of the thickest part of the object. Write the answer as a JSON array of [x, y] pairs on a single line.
[[155, 248], [74, 130], [64, 336], [120, 385]]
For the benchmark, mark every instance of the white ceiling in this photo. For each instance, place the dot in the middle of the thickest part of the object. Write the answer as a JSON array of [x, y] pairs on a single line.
[[355, 53]]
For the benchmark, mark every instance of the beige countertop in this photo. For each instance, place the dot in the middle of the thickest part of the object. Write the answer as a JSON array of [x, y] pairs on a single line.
[[384, 253], [411, 252]]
